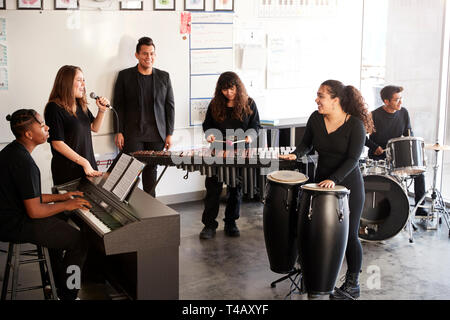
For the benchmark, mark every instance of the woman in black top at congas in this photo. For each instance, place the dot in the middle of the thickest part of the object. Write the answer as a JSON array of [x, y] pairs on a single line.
[[337, 131], [27, 215], [71, 123], [230, 111]]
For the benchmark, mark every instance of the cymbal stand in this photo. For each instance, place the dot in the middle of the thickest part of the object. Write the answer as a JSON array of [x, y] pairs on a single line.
[[437, 206]]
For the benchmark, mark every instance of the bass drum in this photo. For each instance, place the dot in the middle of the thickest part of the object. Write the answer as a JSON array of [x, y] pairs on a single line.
[[386, 208]]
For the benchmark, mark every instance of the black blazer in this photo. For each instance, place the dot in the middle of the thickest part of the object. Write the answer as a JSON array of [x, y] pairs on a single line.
[[128, 103]]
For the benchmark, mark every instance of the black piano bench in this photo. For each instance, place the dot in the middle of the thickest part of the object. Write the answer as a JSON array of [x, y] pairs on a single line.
[[16, 257]]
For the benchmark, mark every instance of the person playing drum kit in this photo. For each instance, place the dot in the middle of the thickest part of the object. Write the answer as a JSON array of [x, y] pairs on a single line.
[[392, 121], [337, 132]]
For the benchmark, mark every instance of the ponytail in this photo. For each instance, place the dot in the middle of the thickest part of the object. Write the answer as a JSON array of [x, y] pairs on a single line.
[[352, 102]]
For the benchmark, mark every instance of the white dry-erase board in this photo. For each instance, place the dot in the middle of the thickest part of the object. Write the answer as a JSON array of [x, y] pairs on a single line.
[[100, 42]]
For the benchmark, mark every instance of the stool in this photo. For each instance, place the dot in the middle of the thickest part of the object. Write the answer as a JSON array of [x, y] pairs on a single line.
[[13, 261]]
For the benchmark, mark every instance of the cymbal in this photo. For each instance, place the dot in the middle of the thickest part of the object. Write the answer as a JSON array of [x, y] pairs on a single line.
[[437, 147]]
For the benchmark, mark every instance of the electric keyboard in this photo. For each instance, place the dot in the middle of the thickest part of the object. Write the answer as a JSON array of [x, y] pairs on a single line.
[[140, 238]]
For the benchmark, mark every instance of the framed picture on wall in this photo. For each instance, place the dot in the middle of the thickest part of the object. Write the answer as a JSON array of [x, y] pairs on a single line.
[[29, 4], [2, 4], [67, 4], [223, 5], [163, 4], [131, 5], [194, 5]]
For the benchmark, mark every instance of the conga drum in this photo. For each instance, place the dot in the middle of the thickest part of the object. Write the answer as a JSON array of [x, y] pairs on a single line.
[[280, 218], [323, 224]]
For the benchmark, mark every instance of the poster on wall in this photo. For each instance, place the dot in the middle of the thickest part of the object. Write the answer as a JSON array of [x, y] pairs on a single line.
[[66, 4], [131, 5], [2, 29], [223, 5], [194, 5], [163, 5], [29, 4], [3, 55], [3, 79]]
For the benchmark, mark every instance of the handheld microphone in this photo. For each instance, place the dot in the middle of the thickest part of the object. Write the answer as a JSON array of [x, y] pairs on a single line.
[[94, 96]]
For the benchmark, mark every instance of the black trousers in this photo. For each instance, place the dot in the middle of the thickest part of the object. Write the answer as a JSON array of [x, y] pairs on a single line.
[[66, 245], [212, 202], [353, 253], [150, 173], [419, 187]]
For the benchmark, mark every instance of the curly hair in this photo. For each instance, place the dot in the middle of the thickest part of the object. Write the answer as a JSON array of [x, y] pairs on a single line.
[[352, 102], [241, 102]]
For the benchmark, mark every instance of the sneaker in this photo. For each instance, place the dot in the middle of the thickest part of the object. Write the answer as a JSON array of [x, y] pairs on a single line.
[[207, 233], [232, 230]]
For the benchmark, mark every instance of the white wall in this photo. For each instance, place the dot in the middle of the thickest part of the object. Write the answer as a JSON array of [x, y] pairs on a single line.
[[413, 56], [328, 47], [323, 44]]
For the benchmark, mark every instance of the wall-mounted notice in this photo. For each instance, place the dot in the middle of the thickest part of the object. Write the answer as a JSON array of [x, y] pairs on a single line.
[[198, 110], [210, 54], [283, 64], [3, 55], [296, 8], [211, 61], [211, 35], [2, 29], [3, 79]]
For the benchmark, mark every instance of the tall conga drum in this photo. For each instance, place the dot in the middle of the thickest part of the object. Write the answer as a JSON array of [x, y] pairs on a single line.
[[323, 224], [280, 218]]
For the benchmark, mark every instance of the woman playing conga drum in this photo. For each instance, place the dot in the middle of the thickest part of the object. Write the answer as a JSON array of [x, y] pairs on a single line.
[[337, 132]]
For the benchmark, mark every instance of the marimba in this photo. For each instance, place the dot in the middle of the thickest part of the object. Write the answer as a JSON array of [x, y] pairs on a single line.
[[245, 167]]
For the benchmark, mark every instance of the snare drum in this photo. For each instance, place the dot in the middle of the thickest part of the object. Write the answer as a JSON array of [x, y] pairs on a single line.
[[322, 235], [405, 156], [280, 218]]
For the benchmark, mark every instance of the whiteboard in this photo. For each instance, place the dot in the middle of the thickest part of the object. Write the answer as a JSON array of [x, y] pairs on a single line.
[[101, 43], [211, 53]]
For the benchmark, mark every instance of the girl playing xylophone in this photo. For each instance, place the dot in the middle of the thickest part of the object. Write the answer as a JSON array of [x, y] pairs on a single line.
[[230, 109]]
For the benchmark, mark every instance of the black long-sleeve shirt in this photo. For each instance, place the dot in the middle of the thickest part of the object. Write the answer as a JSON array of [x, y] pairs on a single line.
[[248, 122], [387, 126], [338, 151]]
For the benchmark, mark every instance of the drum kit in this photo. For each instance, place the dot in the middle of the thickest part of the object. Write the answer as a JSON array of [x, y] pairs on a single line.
[[386, 208]]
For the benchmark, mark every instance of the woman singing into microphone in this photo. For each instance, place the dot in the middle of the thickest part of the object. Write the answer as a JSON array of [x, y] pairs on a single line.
[[71, 123], [337, 131]]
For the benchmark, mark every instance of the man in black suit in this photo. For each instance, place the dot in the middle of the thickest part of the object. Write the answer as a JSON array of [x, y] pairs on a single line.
[[143, 97]]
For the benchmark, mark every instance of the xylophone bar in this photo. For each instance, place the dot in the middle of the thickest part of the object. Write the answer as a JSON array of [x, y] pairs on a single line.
[[241, 167]]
